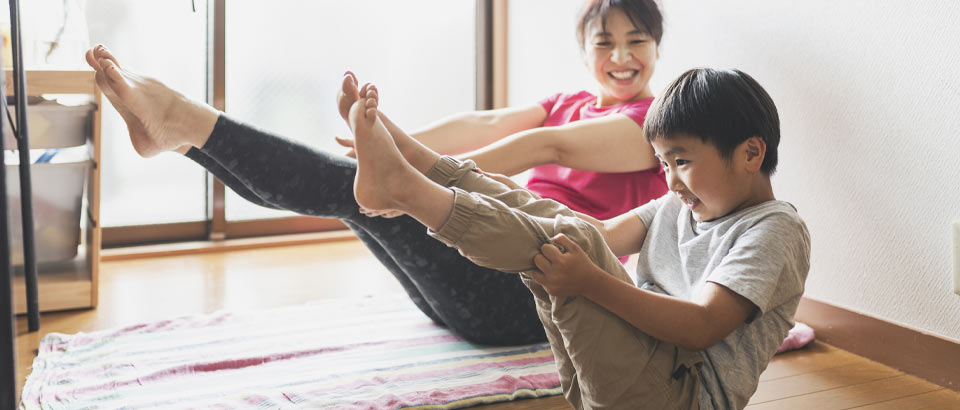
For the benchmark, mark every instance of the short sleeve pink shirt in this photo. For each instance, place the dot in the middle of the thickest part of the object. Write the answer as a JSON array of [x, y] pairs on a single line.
[[601, 195]]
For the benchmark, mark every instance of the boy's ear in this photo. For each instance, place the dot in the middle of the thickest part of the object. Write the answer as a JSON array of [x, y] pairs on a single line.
[[754, 150]]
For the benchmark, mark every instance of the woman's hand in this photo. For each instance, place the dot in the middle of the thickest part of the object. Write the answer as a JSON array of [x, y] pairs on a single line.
[[346, 142], [564, 273], [384, 213]]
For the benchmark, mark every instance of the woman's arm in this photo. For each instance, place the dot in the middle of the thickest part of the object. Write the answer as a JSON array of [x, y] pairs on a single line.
[[613, 143], [468, 131]]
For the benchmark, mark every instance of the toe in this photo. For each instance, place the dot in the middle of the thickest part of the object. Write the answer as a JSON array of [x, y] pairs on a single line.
[[103, 53], [111, 71], [101, 81], [92, 59], [364, 89], [349, 86]]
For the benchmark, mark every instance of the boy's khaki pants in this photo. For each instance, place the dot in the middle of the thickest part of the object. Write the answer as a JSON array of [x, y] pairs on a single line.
[[603, 361]]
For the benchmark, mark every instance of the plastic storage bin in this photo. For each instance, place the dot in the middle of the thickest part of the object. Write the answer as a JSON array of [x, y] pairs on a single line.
[[53, 125], [57, 198]]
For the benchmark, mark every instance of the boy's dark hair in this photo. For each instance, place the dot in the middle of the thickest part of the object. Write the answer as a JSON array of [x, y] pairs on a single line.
[[644, 14], [722, 107]]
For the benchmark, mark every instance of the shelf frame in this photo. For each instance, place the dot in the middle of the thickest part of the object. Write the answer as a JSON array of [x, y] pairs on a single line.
[[72, 284]]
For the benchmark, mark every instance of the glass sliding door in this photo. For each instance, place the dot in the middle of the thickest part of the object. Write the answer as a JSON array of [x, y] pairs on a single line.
[[285, 60], [166, 40]]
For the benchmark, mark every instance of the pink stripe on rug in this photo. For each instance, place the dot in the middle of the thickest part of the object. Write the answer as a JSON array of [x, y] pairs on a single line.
[[256, 361], [455, 394]]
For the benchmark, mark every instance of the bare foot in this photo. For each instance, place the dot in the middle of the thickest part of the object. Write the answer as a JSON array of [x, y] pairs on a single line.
[[381, 169], [348, 94], [158, 118], [417, 154]]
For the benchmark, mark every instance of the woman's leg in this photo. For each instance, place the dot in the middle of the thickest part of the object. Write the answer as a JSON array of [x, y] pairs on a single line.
[[481, 305]]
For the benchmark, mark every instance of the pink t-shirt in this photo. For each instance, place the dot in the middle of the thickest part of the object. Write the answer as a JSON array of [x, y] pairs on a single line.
[[600, 195]]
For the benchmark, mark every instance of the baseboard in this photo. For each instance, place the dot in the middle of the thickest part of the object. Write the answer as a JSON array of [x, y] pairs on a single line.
[[909, 350]]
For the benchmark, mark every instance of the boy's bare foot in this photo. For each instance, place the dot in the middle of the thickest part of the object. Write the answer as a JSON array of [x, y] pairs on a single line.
[[417, 154], [159, 119], [381, 168]]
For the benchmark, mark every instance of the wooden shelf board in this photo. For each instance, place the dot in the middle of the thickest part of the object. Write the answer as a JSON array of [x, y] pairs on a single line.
[[55, 82]]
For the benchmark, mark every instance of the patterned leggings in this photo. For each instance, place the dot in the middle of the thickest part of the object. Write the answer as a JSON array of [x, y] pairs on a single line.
[[479, 304]]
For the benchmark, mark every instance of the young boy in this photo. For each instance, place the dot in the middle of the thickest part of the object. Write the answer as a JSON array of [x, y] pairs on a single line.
[[722, 263]]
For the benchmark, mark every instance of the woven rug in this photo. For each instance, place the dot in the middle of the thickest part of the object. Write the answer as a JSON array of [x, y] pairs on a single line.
[[366, 354]]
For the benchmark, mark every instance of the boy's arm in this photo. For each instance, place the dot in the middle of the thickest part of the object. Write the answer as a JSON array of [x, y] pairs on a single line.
[[624, 234], [613, 143], [714, 313]]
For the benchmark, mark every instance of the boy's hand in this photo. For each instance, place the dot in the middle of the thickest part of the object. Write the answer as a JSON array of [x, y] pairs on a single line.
[[563, 273]]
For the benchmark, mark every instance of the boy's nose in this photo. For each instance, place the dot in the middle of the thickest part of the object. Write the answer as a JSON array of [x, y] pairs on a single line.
[[674, 183]]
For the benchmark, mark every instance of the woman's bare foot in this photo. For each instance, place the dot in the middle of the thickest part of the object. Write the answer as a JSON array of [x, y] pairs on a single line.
[[158, 118]]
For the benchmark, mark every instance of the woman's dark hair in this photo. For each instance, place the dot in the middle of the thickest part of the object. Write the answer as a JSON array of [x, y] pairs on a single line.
[[644, 14], [721, 107]]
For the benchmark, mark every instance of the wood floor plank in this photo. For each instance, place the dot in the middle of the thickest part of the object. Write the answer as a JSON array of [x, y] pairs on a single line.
[[857, 373], [815, 357], [852, 396], [937, 400]]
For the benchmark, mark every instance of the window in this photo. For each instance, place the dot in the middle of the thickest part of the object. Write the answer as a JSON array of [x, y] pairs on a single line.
[[285, 61]]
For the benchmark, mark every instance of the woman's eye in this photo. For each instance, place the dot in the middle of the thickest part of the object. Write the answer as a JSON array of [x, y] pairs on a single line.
[[681, 162], [635, 42], [602, 44], [664, 165]]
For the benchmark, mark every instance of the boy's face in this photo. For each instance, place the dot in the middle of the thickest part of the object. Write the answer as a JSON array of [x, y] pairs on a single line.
[[710, 185]]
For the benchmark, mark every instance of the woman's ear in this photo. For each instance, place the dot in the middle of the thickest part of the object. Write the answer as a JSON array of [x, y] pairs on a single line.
[[754, 150]]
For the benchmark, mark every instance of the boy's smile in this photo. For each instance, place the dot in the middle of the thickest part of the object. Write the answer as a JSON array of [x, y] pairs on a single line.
[[710, 185]]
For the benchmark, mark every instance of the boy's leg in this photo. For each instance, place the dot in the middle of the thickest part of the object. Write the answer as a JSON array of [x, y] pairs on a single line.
[[614, 364], [586, 339]]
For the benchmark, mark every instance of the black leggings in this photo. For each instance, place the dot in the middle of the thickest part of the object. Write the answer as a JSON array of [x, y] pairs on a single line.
[[479, 304]]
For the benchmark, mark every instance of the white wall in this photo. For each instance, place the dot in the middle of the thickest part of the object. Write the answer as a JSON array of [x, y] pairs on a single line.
[[869, 101]]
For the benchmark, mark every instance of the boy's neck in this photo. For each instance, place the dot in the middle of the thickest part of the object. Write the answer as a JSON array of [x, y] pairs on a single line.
[[760, 190]]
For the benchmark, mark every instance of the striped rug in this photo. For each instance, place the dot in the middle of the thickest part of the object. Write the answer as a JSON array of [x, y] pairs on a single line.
[[366, 354]]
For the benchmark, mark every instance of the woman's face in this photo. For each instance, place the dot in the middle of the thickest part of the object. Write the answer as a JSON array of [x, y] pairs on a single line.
[[621, 58]]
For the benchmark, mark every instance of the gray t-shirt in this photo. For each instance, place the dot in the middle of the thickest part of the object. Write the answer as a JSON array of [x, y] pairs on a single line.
[[762, 253]]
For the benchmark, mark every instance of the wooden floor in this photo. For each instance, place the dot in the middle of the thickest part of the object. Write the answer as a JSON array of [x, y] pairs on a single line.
[[819, 377]]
